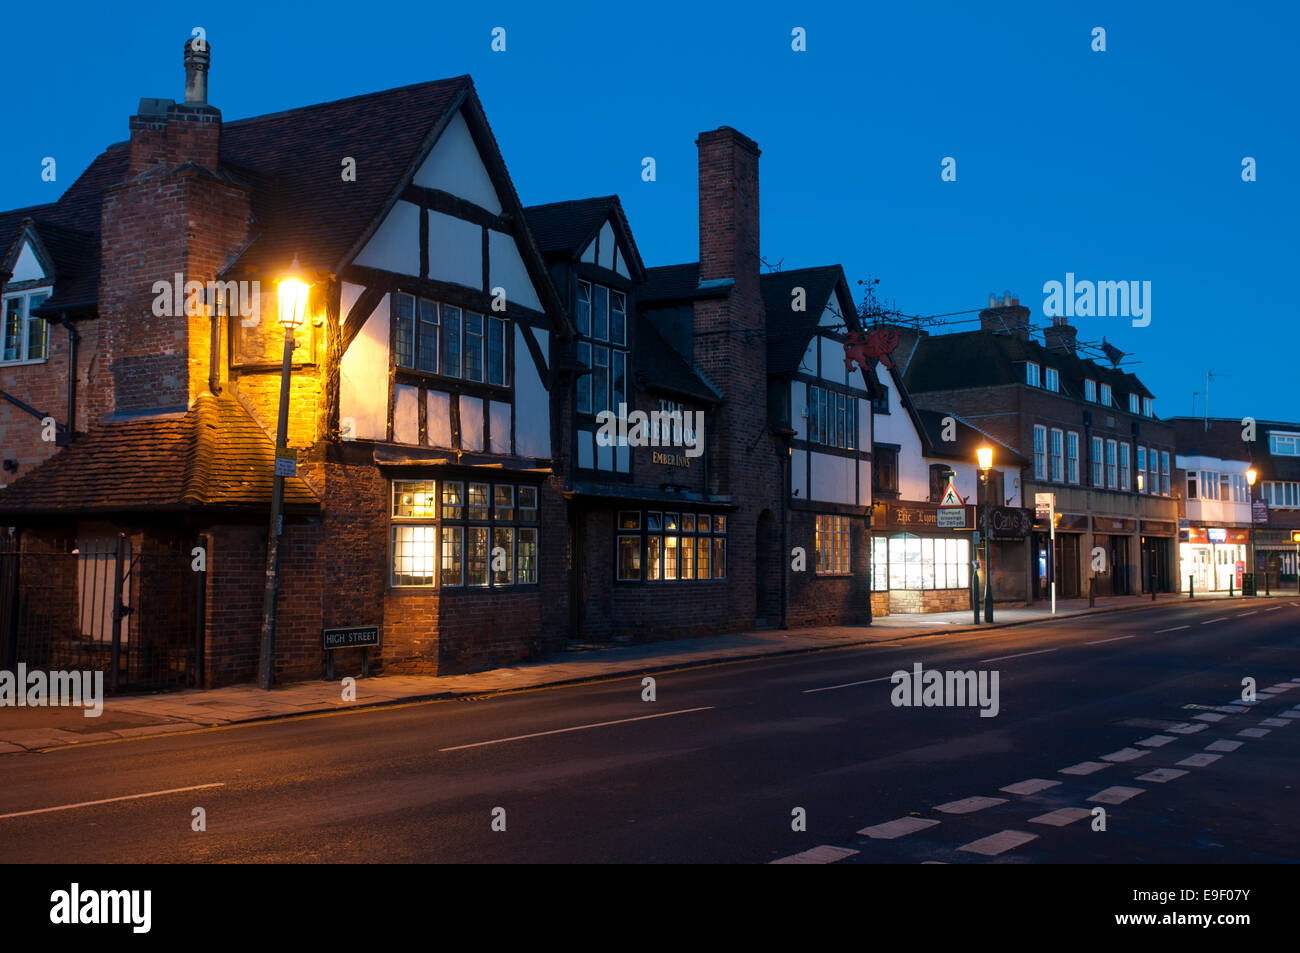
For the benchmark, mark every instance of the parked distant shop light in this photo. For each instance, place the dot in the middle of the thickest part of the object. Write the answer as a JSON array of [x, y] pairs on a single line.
[[291, 293]]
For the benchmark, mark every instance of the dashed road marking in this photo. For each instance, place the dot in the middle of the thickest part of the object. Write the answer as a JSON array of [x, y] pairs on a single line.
[[1003, 658], [1252, 732], [1032, 786], [1274, 609], [831, 688], [897, 828], [110, 800], [1118, 638], [1274, 722], [560, 731], [1241, 614], [1199, 760], [1061, 816], [1156, 741], [998, 843], [1288, 714], [1210, 716], [1189, 729], [1224, 745], [1125, 754], [1161, 775], [1116, 795], [1219, 619], [1177, 628], [818, 855], [969, 805], [1084, 767]]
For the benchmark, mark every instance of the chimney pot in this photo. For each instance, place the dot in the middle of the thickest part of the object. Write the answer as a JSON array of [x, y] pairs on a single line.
[[197, 62]]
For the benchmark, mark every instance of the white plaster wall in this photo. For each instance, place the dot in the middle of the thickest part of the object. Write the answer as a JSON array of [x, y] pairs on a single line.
[[454, 165], [833, 478], [471, 423], [798, 407], [808, 363], [500, 420], [533, 427], [395, 246], [607, 246], [406, 414], [439, 419], [586, 456], [620, 265], [589, 253], [829, 318], [348, 297], [896, 427], [799, 474], [363, 377], [455, 250], [27, 268], [508, 271], [833, 368]]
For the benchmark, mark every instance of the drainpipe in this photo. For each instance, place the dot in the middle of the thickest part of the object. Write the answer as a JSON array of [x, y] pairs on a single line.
[[214, 362], [785, 543], [73, 337]]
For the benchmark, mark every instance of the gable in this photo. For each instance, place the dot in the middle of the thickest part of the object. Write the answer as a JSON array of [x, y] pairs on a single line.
[[27, 267], [455, 166]]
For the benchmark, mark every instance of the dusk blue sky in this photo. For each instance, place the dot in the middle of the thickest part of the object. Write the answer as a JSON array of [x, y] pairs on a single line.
[[1122, 165]]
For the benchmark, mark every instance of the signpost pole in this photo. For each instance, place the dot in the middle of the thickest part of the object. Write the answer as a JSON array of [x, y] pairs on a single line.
[[1051, 549]]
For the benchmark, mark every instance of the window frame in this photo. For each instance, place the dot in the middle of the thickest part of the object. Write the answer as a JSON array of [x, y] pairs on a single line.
[[698, 544]]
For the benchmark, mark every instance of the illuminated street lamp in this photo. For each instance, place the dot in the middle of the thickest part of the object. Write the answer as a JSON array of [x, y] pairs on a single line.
[[985, 457], [291, 297], [1251, 476]]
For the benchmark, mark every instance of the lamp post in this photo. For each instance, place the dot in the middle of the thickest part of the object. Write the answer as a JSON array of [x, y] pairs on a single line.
[[291, 297], [985, 457], [1251, 476]]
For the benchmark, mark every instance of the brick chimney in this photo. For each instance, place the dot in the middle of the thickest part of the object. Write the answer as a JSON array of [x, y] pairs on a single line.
[[1006, 315], [1061, 336], [172, 215]]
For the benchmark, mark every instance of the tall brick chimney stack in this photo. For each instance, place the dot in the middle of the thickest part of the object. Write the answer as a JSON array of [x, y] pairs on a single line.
[[1061, 336], [1006, 315], [171, 215], [730, 338]]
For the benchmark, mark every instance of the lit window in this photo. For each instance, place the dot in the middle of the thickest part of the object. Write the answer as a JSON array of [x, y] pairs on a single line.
[[833, 545]]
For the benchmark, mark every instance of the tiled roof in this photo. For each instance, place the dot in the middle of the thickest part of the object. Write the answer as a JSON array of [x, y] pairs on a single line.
[[213, 456], [670, 283], [663, 368], [968, 440], [566, 227], [306, 208], [1223, 439], [789, 331], [984, 358]]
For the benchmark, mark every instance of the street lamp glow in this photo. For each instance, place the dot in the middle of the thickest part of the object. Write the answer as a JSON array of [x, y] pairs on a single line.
[[985, 457], [1251, 475], [291, 293]]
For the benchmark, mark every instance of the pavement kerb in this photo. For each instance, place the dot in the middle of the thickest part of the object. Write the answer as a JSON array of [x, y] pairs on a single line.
[[630, 671]]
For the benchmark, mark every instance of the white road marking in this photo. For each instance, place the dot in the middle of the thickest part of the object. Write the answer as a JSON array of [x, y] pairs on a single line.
[[1125, 754], [1177, 628], [1224, 745], [969, 805], [1281, 687], [1274, 722], [1032, 786], [1210, 716], [1251, 612], [1002, 658], [818, 855], [1253, 732], [1232, 709], [110, 800], [1288, 714], [1061, 816], [897, 828], [998, 843], [1116, 795], [831, 688], [1084, 767], [1161, 775], [1274, 609], [1156, 741], [1219, 619], [560, 731], [1188, 729], [1199, 760], [1118, 638]]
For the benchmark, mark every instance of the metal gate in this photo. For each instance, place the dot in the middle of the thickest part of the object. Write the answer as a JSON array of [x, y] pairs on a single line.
[[137, 616]]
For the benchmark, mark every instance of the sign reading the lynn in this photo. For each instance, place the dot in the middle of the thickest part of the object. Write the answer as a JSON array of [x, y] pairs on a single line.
[[676, 428], [356, 637]]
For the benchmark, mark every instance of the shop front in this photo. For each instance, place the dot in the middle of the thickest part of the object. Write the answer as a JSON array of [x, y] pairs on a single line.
[[1113, 535], [1156, 545], [1212, 558], [1070, 528], [923, 566]]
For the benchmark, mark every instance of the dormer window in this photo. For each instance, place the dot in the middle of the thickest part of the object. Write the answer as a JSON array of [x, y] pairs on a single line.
[[1090, 390], [1148, 407], [26, 337], [1031, 373], [1052, 379], [1134, 403], [602, 322], [1106, 400]]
